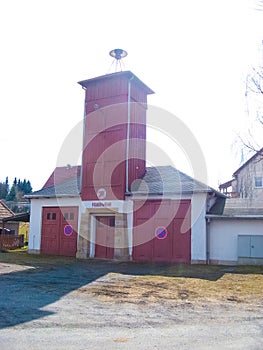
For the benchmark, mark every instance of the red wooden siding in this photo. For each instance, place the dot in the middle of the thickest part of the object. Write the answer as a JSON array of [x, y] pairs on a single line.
[[175, 217], [105, 135], [54, 241], [10, 241]]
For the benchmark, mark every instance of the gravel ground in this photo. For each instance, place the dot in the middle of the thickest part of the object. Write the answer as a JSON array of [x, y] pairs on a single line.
[[50, 306]]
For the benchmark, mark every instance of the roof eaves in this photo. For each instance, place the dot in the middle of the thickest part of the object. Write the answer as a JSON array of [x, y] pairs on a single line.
[[35, 196], [229, 217], [129, 74]]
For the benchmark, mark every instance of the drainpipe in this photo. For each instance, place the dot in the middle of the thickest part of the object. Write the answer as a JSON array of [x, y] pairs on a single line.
[[208, 241], [83, 143], [128, 135]]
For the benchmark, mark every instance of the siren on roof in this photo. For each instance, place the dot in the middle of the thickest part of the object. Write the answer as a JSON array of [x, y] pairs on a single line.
[[118, 54]]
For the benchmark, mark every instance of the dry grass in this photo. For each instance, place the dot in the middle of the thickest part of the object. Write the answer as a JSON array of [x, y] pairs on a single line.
[[239, 288]]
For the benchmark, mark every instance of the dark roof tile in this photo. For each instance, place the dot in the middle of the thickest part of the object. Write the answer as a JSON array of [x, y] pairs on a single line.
[[167, 179]]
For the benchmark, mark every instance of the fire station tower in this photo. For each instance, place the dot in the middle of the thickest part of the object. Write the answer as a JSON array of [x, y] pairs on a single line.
[[114, 147]]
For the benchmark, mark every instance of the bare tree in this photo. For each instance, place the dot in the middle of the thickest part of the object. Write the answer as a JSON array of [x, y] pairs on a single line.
[[258, 5], [251, 141], [254, 96]]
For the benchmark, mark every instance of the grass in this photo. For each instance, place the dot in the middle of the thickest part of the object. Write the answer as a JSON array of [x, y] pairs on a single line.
[[21, 257]]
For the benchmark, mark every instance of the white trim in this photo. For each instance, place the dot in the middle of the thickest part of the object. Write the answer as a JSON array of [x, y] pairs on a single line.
[[121, 206], [92, 236], [93, 232], [130, 231], [35, 228]]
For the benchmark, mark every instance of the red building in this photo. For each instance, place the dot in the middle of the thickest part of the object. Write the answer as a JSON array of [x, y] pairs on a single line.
[[115, 207]]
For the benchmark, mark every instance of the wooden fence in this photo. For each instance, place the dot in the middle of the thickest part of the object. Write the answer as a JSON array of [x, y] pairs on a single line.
[[11, 241]]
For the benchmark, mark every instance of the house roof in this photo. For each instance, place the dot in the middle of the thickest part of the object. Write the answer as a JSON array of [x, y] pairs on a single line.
[[126, 74], [243, 206], [70, 188], [63, 174], [260, 152], [20, 217], [167, 179], [157, 180], [226, 184], [5, 212]]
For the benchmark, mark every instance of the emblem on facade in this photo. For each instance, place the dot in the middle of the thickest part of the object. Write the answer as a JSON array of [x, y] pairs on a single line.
[[101, 193]]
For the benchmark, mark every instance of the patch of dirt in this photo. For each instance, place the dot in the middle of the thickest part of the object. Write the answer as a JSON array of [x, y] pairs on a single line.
[[234, 288], [8, 268], [120, 340]]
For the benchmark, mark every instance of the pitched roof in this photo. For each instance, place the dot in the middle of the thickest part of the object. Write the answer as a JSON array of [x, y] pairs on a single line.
[[63, 182], [157, 180], [5, 212], [62, 174], [260, 152], [70, 188], [243, 206], [167, 179]]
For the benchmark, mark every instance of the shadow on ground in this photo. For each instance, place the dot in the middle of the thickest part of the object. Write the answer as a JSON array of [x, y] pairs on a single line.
[[24, 293]]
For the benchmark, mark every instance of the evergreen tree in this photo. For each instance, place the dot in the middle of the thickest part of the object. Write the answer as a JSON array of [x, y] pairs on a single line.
[[12, 194], [18, 190], [28, 187], [4, 189]]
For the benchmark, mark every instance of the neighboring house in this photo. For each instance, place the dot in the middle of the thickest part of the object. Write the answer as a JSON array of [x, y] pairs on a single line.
[[10, 226], [247, 182], [237, 235], [113, 206]]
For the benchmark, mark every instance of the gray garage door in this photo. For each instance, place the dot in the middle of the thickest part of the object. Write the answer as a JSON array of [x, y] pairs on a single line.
[[250, 246]]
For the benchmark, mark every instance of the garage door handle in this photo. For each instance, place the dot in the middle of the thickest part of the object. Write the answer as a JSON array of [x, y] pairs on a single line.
[[252, 246]]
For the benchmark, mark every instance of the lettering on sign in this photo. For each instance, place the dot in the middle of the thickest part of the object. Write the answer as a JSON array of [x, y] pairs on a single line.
[[101, 204]]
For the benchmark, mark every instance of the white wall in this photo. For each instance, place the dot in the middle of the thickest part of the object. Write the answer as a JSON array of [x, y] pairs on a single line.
[[198, 234], [36, 217], [223, 237], [198, 229]]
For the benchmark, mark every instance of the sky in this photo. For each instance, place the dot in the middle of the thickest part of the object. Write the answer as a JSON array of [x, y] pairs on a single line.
[[195, 55]]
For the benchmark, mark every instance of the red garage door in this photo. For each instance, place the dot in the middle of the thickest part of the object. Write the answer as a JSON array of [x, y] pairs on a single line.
[[162, 231], [59, 231]]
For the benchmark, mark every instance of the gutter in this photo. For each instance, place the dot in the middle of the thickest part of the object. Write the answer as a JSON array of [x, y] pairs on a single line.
[[128, 135], [52, 196], [233, 217]]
